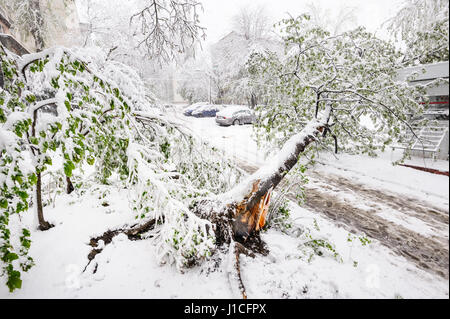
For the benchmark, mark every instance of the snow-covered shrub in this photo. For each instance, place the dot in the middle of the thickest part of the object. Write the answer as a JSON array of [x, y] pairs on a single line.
[[281, 218], [293, 189], [50, 103], [312, 242], [54, 104]]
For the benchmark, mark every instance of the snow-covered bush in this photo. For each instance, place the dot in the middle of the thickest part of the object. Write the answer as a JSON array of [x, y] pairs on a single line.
[[54, 103], [84, 110]]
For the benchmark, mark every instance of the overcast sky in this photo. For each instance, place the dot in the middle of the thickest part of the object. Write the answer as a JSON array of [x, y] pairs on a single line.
[[217, 15]]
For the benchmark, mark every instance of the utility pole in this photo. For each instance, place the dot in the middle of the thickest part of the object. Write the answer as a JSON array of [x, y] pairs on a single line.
[[210, 102], [213, 71]]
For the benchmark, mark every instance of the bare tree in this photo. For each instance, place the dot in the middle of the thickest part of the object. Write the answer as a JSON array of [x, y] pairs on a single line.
[[252, 32], [334, 22], [252, 23], [167, 28]]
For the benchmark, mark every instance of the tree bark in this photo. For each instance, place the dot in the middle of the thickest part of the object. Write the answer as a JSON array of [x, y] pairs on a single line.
[[70, 187], [43, 224]]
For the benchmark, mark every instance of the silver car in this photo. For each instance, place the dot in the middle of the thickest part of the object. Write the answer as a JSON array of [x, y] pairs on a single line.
[[235, 116]]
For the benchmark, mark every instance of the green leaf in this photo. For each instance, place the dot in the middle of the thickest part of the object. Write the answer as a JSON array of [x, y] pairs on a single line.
[[23, 195], [48, 160], [68, 167], [67, 103], [26, 232], [30, 98], [9, 257], [14, 281], [3, 203], [90, 160], [34, 140]]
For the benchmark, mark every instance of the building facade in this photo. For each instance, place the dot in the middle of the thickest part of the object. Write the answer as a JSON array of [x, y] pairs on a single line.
[[6, 38], [62, 25]]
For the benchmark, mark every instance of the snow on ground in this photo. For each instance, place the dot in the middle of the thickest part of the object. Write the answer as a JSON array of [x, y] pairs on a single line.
[[411, 223], [126, 269], [370, 271], [379, 172], [129, 269]]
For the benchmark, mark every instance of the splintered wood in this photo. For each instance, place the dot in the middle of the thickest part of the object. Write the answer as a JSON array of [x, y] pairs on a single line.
[[253, 218]]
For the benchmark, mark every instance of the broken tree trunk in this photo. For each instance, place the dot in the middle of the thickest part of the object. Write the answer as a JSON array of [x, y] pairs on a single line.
[[251, 219], [251, 210], [238, 215], [244, 208]]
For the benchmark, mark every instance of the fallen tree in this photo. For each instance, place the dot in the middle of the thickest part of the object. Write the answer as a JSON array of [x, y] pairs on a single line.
[[187, 197]]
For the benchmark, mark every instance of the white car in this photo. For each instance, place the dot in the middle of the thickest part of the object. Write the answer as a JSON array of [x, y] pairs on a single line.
[[235, 114]]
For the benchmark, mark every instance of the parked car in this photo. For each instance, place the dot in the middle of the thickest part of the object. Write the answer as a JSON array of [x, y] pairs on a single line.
[[209, 110], [188, 110], [234, 115]]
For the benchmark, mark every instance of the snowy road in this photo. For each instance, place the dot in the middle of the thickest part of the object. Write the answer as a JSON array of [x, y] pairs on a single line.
[[340, 198], [411, 219]]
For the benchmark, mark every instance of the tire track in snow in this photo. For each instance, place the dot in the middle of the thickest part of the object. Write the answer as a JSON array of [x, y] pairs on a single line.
[[427, 212], [325, 195]]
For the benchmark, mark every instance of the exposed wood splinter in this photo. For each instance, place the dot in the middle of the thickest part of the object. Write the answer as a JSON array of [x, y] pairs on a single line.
[[249, 220]]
